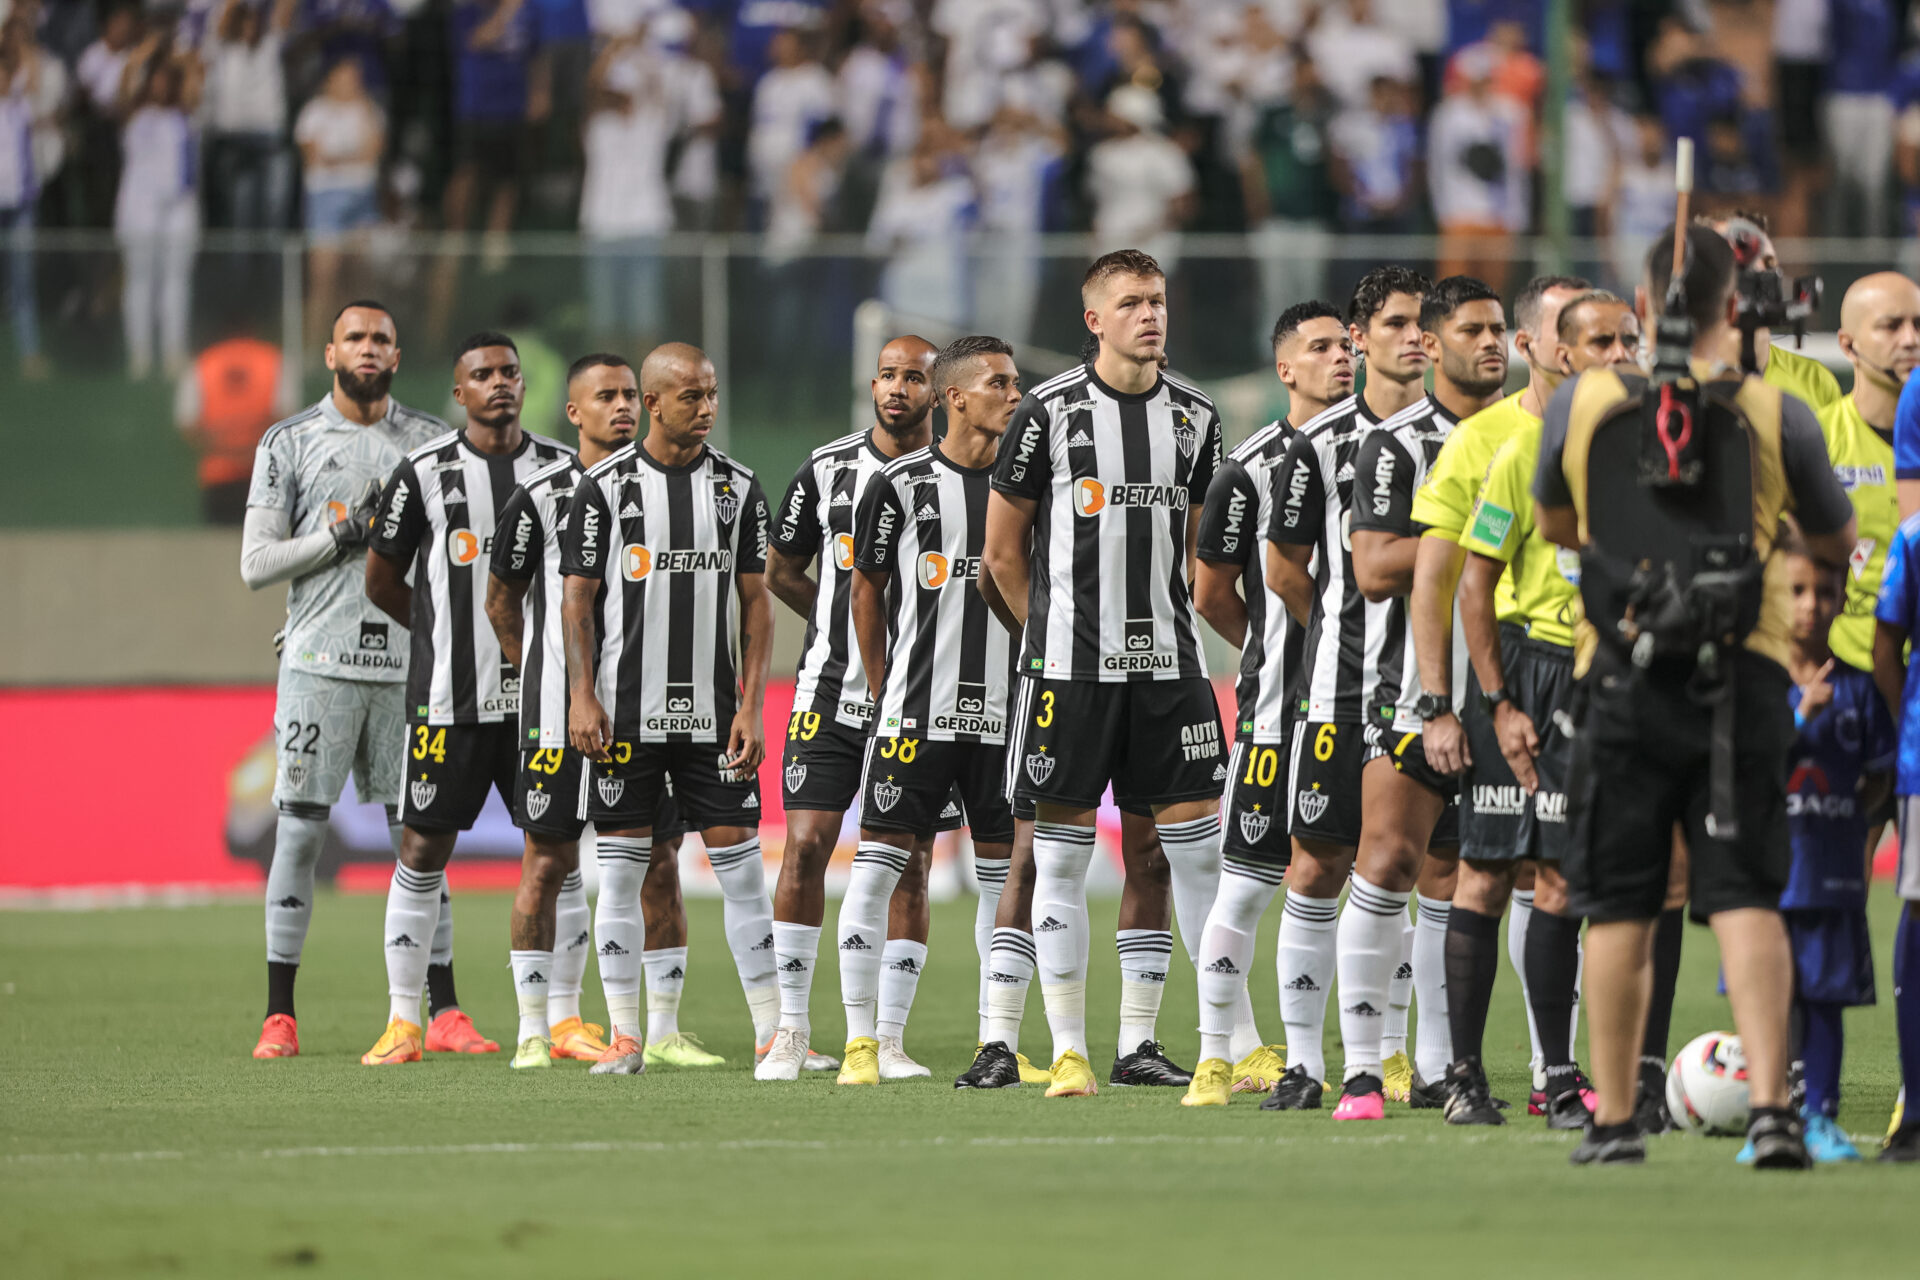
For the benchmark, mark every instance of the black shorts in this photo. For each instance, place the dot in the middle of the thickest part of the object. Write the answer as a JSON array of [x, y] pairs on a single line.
[[910, 782], [450, 769], [1323, 777], [1408, 752], [1499, 821], [629, 790], [1255, 806], [1640, 766], [498, 149], [551, 797], [821, 768], [1157, 741]]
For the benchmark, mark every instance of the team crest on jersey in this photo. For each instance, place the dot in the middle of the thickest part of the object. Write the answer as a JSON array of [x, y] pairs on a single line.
[[1253, 825], [296, 772], [422, 794], [1185, 434], [1313, 806], [537, 802], [1040, 768], [726, 503], [611, 789], [886, 794], [796, 776]]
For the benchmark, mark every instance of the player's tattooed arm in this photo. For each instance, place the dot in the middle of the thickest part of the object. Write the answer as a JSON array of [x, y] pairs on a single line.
[[504, 611], [747, 739], [1009, 548], [588, 727]]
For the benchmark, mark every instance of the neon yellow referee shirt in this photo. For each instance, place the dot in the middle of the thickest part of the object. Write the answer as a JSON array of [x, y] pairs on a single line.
[[1445, 502], [1545, 578], [1863, 463], [1801, 375]]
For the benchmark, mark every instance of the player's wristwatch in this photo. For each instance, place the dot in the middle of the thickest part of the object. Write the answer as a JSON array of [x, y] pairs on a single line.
[[1491, 698], [1429, 707]]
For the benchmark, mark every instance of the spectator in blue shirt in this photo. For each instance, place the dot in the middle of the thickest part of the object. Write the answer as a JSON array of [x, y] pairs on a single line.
[[1691, 87], [500, 88], [1863, 43]]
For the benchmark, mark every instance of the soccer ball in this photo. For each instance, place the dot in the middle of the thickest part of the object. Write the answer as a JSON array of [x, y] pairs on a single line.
[[1707, 1086]]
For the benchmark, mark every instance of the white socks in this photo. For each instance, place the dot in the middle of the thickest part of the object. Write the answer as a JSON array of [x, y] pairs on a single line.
[[1306, 967], [296, 851], [795, 948], [903, 962], [1145, 956], [1517, 918], [620, 929], [1193, 857], [572, 943], [413, 912], [747, 913], [1226, 953], [991, 875], [1433, 1040], [1367, 952], [1393, 1036], [1009, 971], [666, 977], [1062, 855], [862, 931], [532, 979]]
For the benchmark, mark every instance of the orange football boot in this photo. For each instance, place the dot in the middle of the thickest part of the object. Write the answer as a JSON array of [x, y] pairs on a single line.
[[400, 1042], [279, 1037], [576, 1039], [453, 1032]]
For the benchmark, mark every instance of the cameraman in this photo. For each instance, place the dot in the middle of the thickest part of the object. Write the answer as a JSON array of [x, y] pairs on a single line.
[[1682, 673], [1783, 367]]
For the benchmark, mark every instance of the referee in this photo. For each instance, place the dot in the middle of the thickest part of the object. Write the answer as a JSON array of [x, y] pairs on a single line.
[[1673, 494]]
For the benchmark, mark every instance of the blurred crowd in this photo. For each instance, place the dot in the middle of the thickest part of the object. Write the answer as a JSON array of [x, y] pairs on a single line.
[[916, 121]]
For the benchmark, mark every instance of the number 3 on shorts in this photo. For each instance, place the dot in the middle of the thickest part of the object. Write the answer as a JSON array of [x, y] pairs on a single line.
[[1045, 717], [1323, 742]]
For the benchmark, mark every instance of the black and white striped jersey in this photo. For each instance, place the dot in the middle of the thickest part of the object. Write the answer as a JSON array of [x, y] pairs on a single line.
[[1389, 468], [1311, 499], [667, 545], [527, 550], [816, 518], [1239, 508], [924, 521], [1114, 476], [441, 509], [316, 466]]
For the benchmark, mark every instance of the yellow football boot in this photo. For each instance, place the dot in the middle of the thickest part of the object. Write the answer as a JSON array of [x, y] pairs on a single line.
[[1257, 1072], [1211, 1085], [681, 1049], [400, 1042], [1072, 1077], [534, 1052], [573, 1038], [862, 1063], [1899, 1114], [1396, 1077]]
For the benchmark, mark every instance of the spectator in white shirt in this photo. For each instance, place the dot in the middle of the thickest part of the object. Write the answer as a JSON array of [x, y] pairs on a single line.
[[694, 91], [879, 93], [988, 41], [921, 222], [1016, 170], [156, 216], [1476, 170], [1642, 199], [1139, 180], [790, 101], [625, 202], [248, 169], [1354, 48]]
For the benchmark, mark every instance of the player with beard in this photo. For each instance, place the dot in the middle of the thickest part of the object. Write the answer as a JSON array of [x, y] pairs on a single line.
[[833, 709], [1409, 829], [1313, 357], [339, 706], [437, 520]]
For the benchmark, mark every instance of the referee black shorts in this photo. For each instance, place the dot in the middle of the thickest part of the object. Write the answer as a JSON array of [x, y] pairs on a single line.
[[1640, 765], [1499, 821]]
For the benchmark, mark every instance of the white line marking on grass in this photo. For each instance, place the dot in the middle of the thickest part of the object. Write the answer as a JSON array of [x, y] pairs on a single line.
[[742, 1144]]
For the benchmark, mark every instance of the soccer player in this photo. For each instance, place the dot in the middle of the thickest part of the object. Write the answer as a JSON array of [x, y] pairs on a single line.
[[1409, 826], [938, 664], [1102, 468], [603, 403], [1791, 371], [437, 517], [1442, 507], [668, 632], [1898, 617], [833, 708], [337, 708], [1837, 772], [1518, 609], [1309, 566], [1313, 357]]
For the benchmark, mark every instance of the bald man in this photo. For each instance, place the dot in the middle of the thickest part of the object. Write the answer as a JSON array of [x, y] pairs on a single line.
[[826, 743]]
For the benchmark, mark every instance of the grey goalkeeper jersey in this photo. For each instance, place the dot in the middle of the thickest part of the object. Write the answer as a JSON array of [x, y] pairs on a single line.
[[314, 466]]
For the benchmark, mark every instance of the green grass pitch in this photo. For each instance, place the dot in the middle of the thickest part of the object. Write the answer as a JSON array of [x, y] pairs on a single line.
[[138, 1138]]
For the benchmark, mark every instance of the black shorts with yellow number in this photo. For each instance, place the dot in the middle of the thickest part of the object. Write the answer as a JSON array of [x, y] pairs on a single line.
[[628, 791], [1499, 821], [1640, 766], [1256, 805], [450, 769], [1157, 741], [1323, 781], [1408, 752], [550, 797], [910, 782], [820, 767]]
